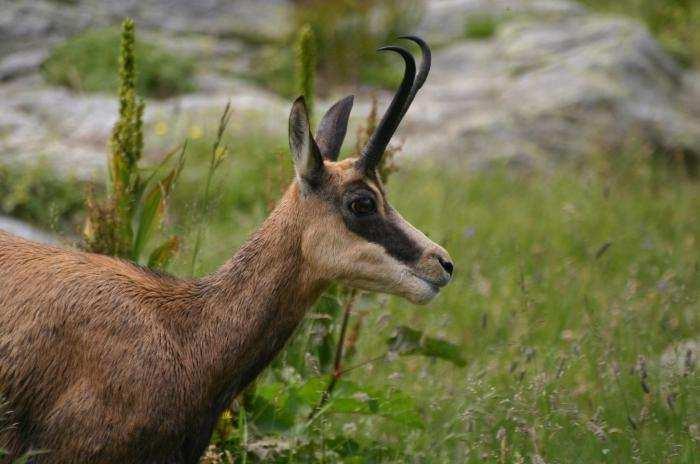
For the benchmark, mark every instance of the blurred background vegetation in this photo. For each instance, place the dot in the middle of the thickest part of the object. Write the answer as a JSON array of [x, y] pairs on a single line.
[[570, 332], [88, 62]]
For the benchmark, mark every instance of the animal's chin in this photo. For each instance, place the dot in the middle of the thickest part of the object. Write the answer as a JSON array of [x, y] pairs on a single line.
[[410, 286], [419, 291], [422, 292]]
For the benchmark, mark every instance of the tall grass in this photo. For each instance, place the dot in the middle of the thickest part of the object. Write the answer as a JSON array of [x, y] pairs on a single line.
[[345, 37]]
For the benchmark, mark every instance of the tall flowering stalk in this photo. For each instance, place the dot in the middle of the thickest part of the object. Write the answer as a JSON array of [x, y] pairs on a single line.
[[305, 66], [123, 223]]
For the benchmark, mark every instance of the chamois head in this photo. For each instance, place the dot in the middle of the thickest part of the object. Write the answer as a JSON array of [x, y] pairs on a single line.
[[354, 235]]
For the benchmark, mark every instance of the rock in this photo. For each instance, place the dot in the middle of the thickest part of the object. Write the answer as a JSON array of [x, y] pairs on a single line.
[[23, 229], [70, 131], [28, 24], [444, 21], [544, 91], [21, 63]]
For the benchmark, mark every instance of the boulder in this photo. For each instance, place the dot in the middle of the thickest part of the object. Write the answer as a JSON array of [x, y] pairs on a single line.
[[444, 21], [543, 91], [26, 24]]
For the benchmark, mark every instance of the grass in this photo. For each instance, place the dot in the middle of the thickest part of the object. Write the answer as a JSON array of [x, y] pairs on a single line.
[[273, 69], [553, 321], [89, 62]]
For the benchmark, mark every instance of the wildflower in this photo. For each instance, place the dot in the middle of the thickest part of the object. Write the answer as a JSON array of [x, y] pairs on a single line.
[[196, 132], [220, 154], [361, 396], [161, 128], [349, 428], [567, 335]]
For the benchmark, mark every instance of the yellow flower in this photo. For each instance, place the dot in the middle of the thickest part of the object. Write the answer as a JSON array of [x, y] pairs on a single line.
[[161, 128], [196, 132]]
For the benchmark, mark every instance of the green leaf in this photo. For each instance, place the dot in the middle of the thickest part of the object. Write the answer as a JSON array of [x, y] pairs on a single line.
[[152, 211], [161, 256], [310, 392], [407, 341], [270, 408], [153, 207], [166, 159], [395, 405]]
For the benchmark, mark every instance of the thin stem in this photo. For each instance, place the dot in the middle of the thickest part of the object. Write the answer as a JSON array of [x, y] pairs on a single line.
[[337, 363], [363, 363], [217, 156]]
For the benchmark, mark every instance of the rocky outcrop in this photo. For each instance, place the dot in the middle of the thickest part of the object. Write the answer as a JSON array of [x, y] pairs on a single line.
[[30, 24], [444, 21], [554, 82], [70, 131], [546, 90]]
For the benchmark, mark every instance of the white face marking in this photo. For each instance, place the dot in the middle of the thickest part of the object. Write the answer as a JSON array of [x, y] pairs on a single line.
[[339, 254]]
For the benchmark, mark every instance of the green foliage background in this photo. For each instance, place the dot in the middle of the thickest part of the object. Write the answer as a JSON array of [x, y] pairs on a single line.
[[89, 62]]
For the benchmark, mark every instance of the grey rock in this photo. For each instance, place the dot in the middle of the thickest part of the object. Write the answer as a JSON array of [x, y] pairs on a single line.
[[22, 229], [445, 20], [70, 131], [27, 24], [555, 82], [21, 63], [543, 91]]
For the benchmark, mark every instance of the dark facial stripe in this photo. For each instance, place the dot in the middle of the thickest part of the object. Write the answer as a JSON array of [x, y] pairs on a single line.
[[385, 231]]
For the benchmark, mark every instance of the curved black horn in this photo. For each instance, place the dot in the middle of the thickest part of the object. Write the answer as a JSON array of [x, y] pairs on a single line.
[[422, 71], [377, 143]]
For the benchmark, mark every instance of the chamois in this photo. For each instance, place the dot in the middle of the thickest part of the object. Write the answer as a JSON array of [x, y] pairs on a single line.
[[103, 361]]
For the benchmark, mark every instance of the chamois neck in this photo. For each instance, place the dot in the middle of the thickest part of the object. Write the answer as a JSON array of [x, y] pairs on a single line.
[[257, 298]]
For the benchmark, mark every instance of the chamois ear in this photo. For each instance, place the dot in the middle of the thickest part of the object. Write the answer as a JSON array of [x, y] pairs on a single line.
[[308, 162], [334, 125]]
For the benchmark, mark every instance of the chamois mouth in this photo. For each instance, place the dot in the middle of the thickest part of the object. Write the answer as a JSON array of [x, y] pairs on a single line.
[[435, 285]]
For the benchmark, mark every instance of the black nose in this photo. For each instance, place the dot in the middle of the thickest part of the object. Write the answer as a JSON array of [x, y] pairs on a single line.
[[446, 265]]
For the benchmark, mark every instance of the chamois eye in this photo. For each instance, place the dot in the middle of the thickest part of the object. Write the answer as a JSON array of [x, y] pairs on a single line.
[[363, 206]]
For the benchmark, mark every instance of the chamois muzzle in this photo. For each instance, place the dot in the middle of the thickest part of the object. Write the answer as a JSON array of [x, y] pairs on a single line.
[[410, 84]]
